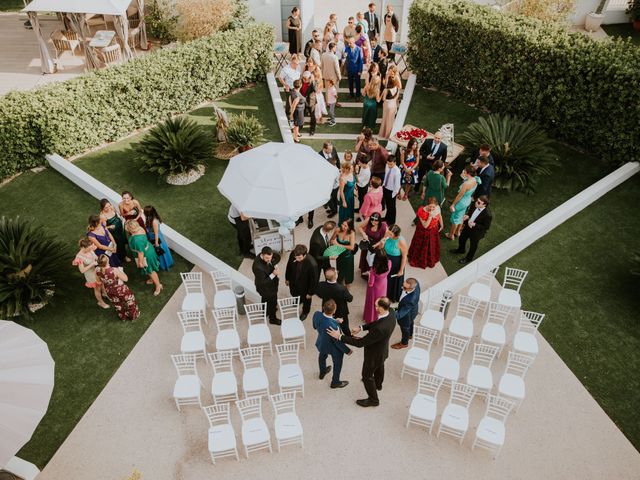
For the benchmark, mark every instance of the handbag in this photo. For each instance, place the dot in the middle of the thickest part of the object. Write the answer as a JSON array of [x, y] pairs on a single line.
[[159, 250]]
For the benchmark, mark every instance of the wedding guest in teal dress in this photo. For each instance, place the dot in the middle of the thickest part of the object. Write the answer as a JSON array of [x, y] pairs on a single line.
[[154, 232], [371, 97], [346, 195], [462, 201], [144, 254], [110, 217], [345, 236], [396, 247]]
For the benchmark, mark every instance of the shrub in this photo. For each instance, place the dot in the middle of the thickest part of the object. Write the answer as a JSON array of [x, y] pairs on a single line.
[[175, 146], [161, 19], [70, 117], [521, 150], [199, 18], [244, 130], [32, 264], [580, 90]]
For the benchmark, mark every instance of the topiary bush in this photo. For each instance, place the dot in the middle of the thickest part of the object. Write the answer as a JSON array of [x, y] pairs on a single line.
[[520, 148], [244, 130], [580, 90]]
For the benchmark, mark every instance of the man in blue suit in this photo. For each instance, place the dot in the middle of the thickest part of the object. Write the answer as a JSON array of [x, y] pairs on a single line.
[[407, 311], [354, 63], [326, 345], [487, 174]]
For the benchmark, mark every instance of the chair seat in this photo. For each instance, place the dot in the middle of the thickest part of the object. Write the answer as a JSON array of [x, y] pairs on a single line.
[[493, 333], [224, 299], [224, 383], [491, 431], [447, 368], [423, 407], [255, 379], [222, 438], [480, 291], [525, 342], [455, 417], [509, 297], [287, 425], [187, 386], [290, 376], [228, 340], [292, 328], [192, 342], [194, 302], [254, 432], [432, 319], [417, 358], [258, 334], [480, 377], [461, 327], [511, 386]]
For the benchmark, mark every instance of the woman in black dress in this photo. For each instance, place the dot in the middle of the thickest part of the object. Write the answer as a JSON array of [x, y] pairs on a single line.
[[294, 27]]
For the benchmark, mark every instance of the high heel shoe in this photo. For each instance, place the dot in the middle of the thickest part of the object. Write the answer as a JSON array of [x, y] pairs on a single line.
[[158, 290], [104, 305]]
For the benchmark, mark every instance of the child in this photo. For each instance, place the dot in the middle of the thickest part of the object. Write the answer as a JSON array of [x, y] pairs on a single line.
[[363, 176], [86, 261], [332, 99]]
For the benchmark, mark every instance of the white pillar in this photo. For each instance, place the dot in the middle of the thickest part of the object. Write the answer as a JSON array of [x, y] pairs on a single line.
[[404, 22], [307, 14]]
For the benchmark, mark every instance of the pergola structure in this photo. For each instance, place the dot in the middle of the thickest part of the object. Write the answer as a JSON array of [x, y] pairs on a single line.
[[76, 12]]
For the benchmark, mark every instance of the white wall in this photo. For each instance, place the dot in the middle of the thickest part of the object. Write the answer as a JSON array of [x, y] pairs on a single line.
[[267, 11]]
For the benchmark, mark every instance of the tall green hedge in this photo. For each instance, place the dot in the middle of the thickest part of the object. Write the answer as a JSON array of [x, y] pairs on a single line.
[[70, 117], [584, 91]]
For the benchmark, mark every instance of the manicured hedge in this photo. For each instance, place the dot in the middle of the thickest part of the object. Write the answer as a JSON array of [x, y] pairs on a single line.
[[584, 91], [70, 117]]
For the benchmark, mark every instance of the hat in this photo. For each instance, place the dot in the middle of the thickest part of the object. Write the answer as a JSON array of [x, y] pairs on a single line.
[[306, 74]]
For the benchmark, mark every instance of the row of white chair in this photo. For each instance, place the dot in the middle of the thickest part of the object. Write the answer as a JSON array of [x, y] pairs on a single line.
[[509, 294], [454, 420], [255, 433], [196, 300]]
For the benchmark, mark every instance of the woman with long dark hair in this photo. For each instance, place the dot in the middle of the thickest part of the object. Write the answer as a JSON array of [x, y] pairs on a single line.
[[154, 233], [130, 208], [110, 217], [113, 280], [105, 244], [144, 255], [397, 249], [345, 236], [376, 285]]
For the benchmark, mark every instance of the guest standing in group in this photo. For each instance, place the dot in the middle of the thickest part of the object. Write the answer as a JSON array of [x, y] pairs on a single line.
[[130, 209], [113, 280], [362, 41], [329, 152], [297, 107], [327, 36], [371, 98], [266, 274], [319, 242], [316, 53], [389, 98], [308, 88], [436, 183], [315, 35], [363, 178], [390, 29], [112, 220], [288, 75], [240, 224], [362, 23], [354, 64], [144, 255], [372, 22], [407, 311], [333, 20], [363, 141], [475, 226], [396, 248], [391, 187], [294, 30], [350, 30], [462, 201], [372, 200], [346, 237], [86, 260], [332, 206], [379, 157], [331, 65], [104, 242], [154, 233], [377, 284], [375, 50], [321, 107], [431, 150], [372, 230], [424, 251], [301, 276], [346, 195], [340, 52], [332, 101], [383, 62], [486, 174], [409, 163], [323, 322], [330, 289]]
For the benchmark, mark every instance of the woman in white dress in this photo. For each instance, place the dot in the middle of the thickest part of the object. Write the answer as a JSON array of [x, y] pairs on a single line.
[[321, 105]]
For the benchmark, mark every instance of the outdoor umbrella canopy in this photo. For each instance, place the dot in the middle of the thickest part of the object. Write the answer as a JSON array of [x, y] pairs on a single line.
[[26, 383], [279, 181]]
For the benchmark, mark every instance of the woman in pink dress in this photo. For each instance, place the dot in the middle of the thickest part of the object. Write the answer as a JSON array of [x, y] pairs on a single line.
[[377, 285], [372, 200]]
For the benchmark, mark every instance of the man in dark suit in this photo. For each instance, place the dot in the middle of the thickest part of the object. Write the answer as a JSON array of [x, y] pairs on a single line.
[[332, 290], [476, 223], [374, 23], [407, 311], [431, 150], [302, 277], [319, 242], [487, 174], [322, 322], [376, 349], [315, 35], [265, 271], [329, 152]]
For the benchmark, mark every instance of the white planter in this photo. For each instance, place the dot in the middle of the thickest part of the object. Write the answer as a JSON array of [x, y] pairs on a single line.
[[186, 178], [593, 21]]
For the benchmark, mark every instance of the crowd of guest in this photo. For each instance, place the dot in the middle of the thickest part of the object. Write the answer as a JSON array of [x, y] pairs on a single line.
[[115, 237]]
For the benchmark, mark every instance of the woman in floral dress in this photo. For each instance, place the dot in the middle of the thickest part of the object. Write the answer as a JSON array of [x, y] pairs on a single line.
[[121, 297]]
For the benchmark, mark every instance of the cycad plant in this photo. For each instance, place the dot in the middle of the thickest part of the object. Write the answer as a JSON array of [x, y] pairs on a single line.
[[244, 130], [32, 264], [178, 145], [520, 148]]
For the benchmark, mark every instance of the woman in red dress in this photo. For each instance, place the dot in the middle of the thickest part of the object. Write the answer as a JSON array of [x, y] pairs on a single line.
[[424, 250], [121, 297]]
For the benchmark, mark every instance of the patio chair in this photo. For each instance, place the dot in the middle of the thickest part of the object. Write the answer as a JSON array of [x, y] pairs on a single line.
[[193, 340], [416, 360], [448, 365], [63, 42], [454, 420], [286, 424], [255, 382], [228, 338], [223, 296], [255, 433], [258, 333], [424, 405], [493, 332], [222, 438], [110, 55], [290, 377], [134, 38], [462, 323], [224, 386], [433, 317], [491, 432], [479, 374]]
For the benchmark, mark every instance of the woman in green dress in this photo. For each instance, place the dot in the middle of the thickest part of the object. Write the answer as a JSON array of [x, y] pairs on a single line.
[[144, 254], [115, 226], [345, 236], [371, 97], [435, 183], [463, 200]]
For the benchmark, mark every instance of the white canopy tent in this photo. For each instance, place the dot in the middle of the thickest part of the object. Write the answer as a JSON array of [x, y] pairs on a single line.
[[76, 11]]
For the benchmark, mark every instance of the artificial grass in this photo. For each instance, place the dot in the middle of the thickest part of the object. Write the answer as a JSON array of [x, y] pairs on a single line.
[[624, 31], [11, 5]]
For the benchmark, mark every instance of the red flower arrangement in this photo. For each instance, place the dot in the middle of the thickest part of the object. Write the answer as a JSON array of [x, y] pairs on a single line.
[[406, 135]]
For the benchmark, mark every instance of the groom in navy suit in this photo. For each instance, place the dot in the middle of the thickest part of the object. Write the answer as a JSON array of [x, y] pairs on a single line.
[[487, 174], [326, 345], [407, 311]]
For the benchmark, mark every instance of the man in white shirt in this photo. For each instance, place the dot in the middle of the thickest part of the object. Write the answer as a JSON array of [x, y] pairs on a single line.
[[363, 177], [288, 75], [333, 202], [316, 52], [475, 226], [391, 187], [340, 46]]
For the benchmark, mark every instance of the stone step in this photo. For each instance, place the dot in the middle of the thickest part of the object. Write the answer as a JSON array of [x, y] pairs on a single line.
[[341, 90], [329, 136], [355, 120]]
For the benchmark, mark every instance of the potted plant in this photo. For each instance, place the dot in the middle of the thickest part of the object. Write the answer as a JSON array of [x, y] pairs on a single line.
[[595, 18], [633, 10], [244, 131]]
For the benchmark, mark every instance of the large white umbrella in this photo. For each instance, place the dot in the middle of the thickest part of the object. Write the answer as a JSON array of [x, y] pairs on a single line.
[[279, 181], [26, 383]]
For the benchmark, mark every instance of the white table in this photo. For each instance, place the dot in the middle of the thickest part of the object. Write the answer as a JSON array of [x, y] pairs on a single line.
[[102, 38]]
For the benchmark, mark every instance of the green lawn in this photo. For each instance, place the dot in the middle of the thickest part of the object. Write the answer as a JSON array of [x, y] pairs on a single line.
[[11, 5], [623, 30]]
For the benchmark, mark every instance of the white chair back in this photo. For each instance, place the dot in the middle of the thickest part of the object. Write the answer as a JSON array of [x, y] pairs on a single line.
[[488, 277], [225, 318], [498, 313], [222, 362], [462, 394], [256, 313], [218, 414], [252, 357], [283, 403], [437, 301], [221, 280], [530, 322], [185, 364], [483, 355], [191, 320], [454, 347], [250, 408], [499, 408], [192, 282], [467, 306], [288, 353], [289, 307], [423, 337], [518, 364], [429, 384], [513, 278]]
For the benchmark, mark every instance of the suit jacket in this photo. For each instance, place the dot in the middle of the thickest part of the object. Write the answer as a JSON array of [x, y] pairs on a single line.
[[334, 155], [326, 344], [306, 282], [376, 342], [317, 245], [307, 48], [265, 286], [374, 23], [486, 179], [483, 222], [338, 293], [425, 150], [408, 306], [330, 67], [394, 20], [355, 60]]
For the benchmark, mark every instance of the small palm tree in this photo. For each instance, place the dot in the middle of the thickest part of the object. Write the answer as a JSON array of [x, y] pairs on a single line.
[[244, 131], [520, 148], [175, 146], [32, 264]]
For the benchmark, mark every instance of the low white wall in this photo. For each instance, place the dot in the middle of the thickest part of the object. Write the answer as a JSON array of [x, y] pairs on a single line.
[[278, 107], [177, 242]]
